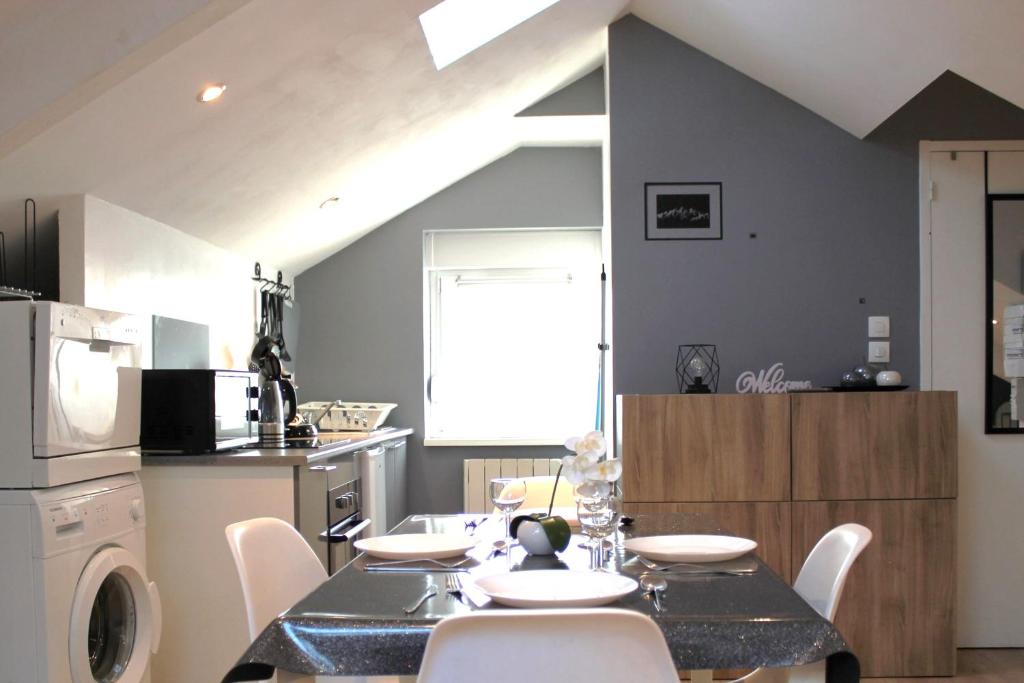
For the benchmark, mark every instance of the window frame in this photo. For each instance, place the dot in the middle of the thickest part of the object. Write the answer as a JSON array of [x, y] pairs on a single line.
[[429, 321]]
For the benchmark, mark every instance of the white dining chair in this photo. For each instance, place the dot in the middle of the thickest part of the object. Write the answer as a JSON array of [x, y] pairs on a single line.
[[548, 646], [820, 582], [538, 493], [276, 567]]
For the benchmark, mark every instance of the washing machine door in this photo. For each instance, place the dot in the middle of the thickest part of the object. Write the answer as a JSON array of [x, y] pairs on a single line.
[[115, 620]]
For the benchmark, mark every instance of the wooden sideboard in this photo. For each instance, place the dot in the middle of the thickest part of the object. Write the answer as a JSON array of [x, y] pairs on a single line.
[[784, 469]]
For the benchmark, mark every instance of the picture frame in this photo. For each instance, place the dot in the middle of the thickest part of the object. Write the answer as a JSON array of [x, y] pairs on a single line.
[[683, 211]]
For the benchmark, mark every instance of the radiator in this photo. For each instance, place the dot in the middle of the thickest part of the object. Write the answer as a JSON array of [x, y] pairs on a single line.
[[477, 472]]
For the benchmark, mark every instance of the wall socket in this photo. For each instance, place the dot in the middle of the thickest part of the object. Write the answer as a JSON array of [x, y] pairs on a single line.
[[878, 352], [878, 326]]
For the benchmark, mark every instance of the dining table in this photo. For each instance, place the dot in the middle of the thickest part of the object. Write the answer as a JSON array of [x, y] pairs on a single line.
[[354, 623]]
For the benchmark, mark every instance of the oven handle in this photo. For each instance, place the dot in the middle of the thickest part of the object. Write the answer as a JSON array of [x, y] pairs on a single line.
[[343, 531]]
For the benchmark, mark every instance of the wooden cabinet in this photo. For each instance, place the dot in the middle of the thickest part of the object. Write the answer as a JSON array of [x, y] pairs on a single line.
[[885, 460], [897, 610], [874, 445], [705, 448]]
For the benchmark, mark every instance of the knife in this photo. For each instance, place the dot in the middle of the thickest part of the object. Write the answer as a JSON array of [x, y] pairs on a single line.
[[414, 570]]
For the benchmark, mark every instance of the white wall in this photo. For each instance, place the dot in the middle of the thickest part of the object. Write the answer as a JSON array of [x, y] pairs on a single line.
[[116, 259], [991, 467]]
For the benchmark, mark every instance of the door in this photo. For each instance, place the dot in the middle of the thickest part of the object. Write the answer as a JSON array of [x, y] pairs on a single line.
[[115, 620], [990, 591]]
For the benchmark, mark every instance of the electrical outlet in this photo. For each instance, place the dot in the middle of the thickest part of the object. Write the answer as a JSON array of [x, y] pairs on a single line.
[[878, 326], [878, 352]]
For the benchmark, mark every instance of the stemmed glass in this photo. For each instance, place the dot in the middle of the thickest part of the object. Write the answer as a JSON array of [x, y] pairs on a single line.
[[599, 518], [507, 494]]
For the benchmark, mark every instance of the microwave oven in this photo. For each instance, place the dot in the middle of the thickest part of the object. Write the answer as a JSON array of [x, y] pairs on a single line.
[[198, 411], [69, 409]]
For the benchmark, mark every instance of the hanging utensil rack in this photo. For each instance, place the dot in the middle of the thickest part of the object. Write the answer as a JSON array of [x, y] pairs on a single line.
[[274, 287]]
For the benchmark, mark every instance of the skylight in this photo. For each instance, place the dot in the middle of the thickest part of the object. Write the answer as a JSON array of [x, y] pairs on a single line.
[[454, 28]]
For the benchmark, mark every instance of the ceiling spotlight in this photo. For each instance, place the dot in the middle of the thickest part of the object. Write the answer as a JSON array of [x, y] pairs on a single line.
[[211, 92], [328, 203]]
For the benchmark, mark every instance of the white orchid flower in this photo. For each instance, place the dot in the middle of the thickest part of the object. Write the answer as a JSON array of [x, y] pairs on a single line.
[[606, 470], [594, 489], [574, 467], [592, 443]]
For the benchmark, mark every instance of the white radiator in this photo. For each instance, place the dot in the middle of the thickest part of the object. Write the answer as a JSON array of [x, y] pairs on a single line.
[[477, 472]]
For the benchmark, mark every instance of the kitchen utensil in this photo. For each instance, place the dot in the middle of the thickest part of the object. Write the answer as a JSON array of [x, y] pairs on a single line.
[[654, 586], [695, 568], [404, 569], [453, 586], [277, 408], [439, 563], [427, 594], [690, 547], [555, 588], [416, 546]]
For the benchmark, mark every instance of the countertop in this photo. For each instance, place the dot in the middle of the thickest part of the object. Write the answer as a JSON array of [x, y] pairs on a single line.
[[337, 443]]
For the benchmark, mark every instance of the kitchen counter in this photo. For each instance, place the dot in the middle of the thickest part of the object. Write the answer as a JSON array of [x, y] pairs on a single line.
[[337, 443]]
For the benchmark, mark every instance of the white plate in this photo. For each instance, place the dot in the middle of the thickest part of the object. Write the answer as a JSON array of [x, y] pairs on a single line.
[[416, 546], [555, 588], [690, 547]]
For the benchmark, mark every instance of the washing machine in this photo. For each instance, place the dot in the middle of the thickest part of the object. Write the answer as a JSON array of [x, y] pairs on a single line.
[[76, 605]]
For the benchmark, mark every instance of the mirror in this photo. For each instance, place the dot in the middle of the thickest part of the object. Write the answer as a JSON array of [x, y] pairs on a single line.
[[1004, 380]]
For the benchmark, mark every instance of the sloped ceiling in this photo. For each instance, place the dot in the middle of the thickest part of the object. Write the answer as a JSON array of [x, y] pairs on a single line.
[[854, 62], [329, 98], [324, 98]]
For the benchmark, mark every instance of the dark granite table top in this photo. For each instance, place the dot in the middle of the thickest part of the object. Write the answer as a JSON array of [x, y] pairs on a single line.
[[353, 624]]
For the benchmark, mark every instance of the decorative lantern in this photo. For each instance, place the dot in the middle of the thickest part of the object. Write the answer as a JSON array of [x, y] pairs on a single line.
[[697, 368]]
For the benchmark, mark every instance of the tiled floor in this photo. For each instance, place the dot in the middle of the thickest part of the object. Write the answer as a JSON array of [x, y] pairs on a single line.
[[976, 666]]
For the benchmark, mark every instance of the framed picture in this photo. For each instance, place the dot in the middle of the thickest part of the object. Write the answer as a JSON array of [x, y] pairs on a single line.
[[683, 211]]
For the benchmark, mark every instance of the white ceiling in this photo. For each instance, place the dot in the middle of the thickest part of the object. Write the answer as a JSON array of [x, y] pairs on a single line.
[[854, 62], [330, 98]]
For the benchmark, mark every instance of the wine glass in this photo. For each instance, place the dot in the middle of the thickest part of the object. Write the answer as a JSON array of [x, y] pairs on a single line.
[[599, 518], [507, 494]]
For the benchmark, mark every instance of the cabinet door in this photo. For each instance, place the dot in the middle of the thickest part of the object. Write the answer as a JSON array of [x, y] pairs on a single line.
[[766, 523], [874, 445], [705, 448], [897, 610]]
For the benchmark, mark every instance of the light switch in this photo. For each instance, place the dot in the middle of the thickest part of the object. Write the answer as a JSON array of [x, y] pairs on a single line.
[[878, 352], [878, 326]]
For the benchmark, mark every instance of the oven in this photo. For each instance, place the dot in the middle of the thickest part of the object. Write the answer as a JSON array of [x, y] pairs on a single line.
[[329, 510], [345, 524]]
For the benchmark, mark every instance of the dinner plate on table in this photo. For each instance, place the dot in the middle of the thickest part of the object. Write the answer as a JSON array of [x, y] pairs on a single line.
[[416, 546], [555, 588], [690, 547]]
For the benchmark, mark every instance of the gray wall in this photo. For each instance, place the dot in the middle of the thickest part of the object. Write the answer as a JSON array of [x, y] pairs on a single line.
[[835, 217], [361, 332]]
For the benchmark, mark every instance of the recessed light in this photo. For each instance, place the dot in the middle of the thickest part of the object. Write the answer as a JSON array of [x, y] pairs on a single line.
[[328, 203], [211, 92]]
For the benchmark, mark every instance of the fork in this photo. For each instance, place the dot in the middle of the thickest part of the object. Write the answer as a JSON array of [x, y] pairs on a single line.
[[439, 563], [697, 568], [453, 586]]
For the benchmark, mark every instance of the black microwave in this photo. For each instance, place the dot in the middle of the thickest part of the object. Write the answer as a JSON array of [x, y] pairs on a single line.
[[198, 411]]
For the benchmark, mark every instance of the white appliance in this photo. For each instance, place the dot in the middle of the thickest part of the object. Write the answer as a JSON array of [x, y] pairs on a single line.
[[76, 605], [370, 464], [70, 406]]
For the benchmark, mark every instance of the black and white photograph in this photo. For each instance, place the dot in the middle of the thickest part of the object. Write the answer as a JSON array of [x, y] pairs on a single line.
[[683, 211]]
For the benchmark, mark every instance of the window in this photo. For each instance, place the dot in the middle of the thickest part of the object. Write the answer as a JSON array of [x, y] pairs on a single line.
[[512, 326]]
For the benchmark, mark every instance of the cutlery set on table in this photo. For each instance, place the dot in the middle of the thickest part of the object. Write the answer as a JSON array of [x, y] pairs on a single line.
[[471, 577]]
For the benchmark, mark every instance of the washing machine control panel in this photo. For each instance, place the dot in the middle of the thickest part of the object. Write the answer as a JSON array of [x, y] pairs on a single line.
[[73, 522]]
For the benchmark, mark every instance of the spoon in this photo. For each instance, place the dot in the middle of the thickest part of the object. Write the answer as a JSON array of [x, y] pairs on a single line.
[[654, 586]]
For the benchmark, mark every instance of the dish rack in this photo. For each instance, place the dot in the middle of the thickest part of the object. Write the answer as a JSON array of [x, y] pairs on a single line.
[[341, 416]]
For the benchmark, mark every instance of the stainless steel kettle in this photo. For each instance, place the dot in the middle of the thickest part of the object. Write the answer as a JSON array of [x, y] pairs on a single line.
[[277, 404]]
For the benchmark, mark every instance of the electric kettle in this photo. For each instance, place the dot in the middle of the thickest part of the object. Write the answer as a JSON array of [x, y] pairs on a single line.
[[277, 404]]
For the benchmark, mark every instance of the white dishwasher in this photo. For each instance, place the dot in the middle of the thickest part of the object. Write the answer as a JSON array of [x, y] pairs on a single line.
[[373, 480]]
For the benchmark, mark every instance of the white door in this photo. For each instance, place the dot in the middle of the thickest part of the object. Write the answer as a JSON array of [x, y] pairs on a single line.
[[991, 467], [115, 620]]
